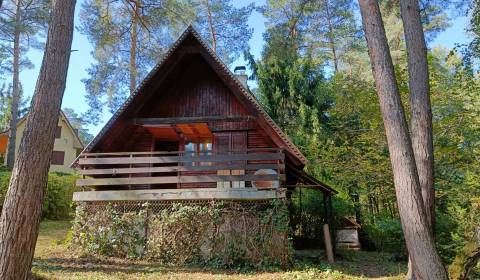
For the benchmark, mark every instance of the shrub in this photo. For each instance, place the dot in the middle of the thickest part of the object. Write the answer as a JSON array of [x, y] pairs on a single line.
[[214, 234], [58, 199], [387, 235], [110, 232]]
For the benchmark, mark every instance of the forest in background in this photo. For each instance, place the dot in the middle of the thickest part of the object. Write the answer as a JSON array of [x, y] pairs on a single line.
[[322, 93], [314, 78]]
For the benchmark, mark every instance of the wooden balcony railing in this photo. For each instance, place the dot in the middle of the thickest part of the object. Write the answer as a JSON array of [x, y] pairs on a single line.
[[157, 168]]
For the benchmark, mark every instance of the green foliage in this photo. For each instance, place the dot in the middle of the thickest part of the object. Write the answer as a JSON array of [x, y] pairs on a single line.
[[108, 26], [6, 105], [230, 24], [345, 140], [326, 29], [58, 199], [217, 234], [34, 16], [175, 235], [387, 235], [79, 123], [307, 217], [116, 234]]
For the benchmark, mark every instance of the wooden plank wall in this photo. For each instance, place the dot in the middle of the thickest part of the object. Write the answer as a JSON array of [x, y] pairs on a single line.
[[195, 91]]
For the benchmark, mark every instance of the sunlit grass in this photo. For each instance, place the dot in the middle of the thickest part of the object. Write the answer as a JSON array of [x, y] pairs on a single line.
[[54, 260]]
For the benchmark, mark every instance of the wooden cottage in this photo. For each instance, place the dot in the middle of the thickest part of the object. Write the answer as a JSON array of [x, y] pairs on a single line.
[[192, 131]]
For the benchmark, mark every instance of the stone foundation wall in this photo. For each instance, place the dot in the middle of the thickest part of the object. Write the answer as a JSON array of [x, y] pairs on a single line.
[[222, 234]]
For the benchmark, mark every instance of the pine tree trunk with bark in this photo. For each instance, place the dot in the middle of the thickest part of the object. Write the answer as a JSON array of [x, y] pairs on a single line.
[[133, 47], [331, 39], [12, 135], [20, 219], [213, 33], [416, 229], [421, 121]]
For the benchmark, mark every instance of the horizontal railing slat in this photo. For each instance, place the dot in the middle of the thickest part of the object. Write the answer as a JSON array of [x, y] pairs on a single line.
[[253, 150], [137, 170], [177, 179], [181, 159]]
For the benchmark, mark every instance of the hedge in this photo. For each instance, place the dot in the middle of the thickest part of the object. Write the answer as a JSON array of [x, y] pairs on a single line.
[[58, 199]]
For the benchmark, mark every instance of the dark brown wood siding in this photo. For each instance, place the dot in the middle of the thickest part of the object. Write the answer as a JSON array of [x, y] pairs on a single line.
[[195, 92]]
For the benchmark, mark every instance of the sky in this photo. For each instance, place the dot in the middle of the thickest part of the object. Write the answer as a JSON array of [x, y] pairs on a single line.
[[81, 59]]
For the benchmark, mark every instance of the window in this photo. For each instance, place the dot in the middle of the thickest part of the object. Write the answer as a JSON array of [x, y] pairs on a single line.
[[197, 149], [58, 132], [58, 157]]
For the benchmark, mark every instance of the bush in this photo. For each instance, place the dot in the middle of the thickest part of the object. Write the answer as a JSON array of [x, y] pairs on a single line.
[[387, 235], [215, 235], [58, 199]]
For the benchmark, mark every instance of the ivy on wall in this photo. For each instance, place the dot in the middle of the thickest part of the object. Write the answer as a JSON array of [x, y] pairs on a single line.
[[215, 234]]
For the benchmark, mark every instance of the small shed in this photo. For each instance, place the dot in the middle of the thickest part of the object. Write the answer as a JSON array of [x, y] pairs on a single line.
[[347, 234]]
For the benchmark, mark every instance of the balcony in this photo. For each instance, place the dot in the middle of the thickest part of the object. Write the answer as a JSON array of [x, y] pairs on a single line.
[[239, 175]]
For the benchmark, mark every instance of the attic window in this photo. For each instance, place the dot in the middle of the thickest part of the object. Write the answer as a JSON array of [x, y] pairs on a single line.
[[58, 132]]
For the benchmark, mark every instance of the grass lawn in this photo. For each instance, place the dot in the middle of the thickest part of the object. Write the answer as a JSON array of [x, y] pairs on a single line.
[[53, 260]]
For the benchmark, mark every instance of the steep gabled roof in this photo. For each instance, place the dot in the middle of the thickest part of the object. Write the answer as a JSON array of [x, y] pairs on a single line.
[[264, 119], [79, 143]]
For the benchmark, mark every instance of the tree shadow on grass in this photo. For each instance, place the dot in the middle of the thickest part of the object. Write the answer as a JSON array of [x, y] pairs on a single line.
[[114, 265], [353, 264], [369, 264]]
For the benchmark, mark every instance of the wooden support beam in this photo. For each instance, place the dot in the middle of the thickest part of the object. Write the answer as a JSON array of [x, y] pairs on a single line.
[[328, 243], [184, 120]]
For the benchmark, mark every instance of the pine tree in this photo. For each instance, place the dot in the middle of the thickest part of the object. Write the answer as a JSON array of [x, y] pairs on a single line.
[[129, 37], [79, 123], [225, 27], [21, 22], [21, 213], [6, 104], [418, 236]]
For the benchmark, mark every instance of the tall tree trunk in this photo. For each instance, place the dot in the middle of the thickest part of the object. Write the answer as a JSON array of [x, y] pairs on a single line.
[[420, 243], [15, 88], [133, 47], [421, 122], [212, 28], [331, 38], [21, 212]]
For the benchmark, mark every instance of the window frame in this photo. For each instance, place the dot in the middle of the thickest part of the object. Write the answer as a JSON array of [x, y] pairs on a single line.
[[58, 132], [198, 150], [54, 158]]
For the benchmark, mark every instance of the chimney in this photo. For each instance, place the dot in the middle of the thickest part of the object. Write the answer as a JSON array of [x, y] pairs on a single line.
[[241, 75]]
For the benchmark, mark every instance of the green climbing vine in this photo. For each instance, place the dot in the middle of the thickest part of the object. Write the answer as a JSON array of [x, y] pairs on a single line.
[[216, 234]]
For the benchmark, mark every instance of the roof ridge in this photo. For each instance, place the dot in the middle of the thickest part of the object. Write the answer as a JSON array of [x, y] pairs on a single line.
[[243, 89], [246, 92]]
